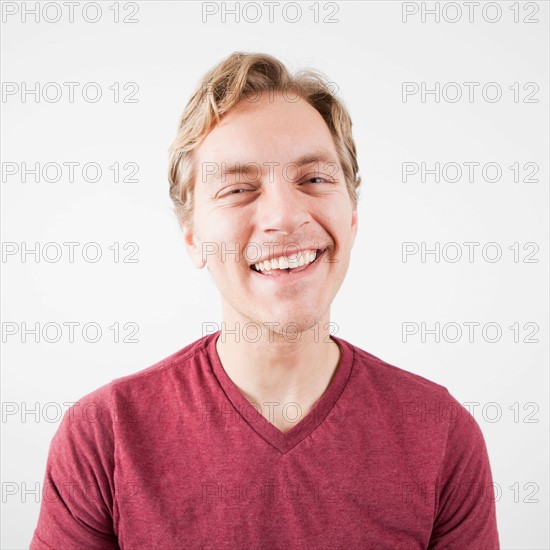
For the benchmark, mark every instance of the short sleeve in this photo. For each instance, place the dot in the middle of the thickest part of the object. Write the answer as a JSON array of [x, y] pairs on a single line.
[[77, 497], [465, 515]]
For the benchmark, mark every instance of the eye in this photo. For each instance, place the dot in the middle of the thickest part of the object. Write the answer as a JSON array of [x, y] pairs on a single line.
[[319, 178], [234, 191]]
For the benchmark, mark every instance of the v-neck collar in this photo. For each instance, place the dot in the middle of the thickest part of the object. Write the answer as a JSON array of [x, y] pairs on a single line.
[[283, 442]]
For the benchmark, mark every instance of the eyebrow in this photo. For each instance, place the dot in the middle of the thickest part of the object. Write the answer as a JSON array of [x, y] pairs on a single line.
[[252, 166]]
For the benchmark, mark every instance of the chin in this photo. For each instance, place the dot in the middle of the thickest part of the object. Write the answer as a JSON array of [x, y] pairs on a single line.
[[291, 324]]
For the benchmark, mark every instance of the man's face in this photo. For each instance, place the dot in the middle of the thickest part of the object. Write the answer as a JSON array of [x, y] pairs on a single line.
[[276, 208]]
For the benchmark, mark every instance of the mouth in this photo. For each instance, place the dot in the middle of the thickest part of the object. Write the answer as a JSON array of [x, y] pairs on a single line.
[[283, 266]]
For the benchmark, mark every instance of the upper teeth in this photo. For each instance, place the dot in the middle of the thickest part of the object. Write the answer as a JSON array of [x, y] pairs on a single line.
[[284, 262]]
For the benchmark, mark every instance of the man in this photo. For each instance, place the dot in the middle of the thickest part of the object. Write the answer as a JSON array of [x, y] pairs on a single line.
[[270, 433]]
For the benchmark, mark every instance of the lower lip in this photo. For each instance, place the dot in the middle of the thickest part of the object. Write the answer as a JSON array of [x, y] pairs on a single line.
[[292, 277]]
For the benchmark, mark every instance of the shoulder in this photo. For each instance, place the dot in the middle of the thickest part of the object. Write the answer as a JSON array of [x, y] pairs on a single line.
[[175, 365], [392, 379], [93, 416], [408, 398]]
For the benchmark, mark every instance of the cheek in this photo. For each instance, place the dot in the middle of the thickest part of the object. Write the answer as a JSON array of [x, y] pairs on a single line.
[[227, 238], [342, 235], [230, 232], [220, 225], [339, 221]]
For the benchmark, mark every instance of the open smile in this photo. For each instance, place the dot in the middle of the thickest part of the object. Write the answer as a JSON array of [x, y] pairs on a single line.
[[286, 267]]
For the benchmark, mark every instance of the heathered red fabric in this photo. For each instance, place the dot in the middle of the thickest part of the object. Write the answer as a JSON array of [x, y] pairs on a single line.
[[174, 457]]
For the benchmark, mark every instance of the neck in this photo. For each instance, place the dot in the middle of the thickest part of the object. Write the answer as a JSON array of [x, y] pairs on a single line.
[[281, 368]]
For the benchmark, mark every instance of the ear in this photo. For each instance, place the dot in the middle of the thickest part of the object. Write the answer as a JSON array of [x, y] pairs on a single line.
[[193, 246], [354, 224]]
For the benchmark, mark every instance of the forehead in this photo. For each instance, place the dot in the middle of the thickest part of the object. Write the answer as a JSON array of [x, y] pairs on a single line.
[[275, 128]]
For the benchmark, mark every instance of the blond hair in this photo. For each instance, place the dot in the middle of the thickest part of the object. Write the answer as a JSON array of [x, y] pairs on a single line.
[[242, 76]]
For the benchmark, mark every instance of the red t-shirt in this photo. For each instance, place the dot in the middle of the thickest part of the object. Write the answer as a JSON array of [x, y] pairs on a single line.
[[175, 457]]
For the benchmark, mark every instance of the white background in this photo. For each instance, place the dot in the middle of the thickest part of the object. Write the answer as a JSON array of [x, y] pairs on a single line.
[[369, 51]]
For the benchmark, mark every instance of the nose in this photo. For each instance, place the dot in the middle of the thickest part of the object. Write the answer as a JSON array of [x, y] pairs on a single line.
[[282, 208]]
